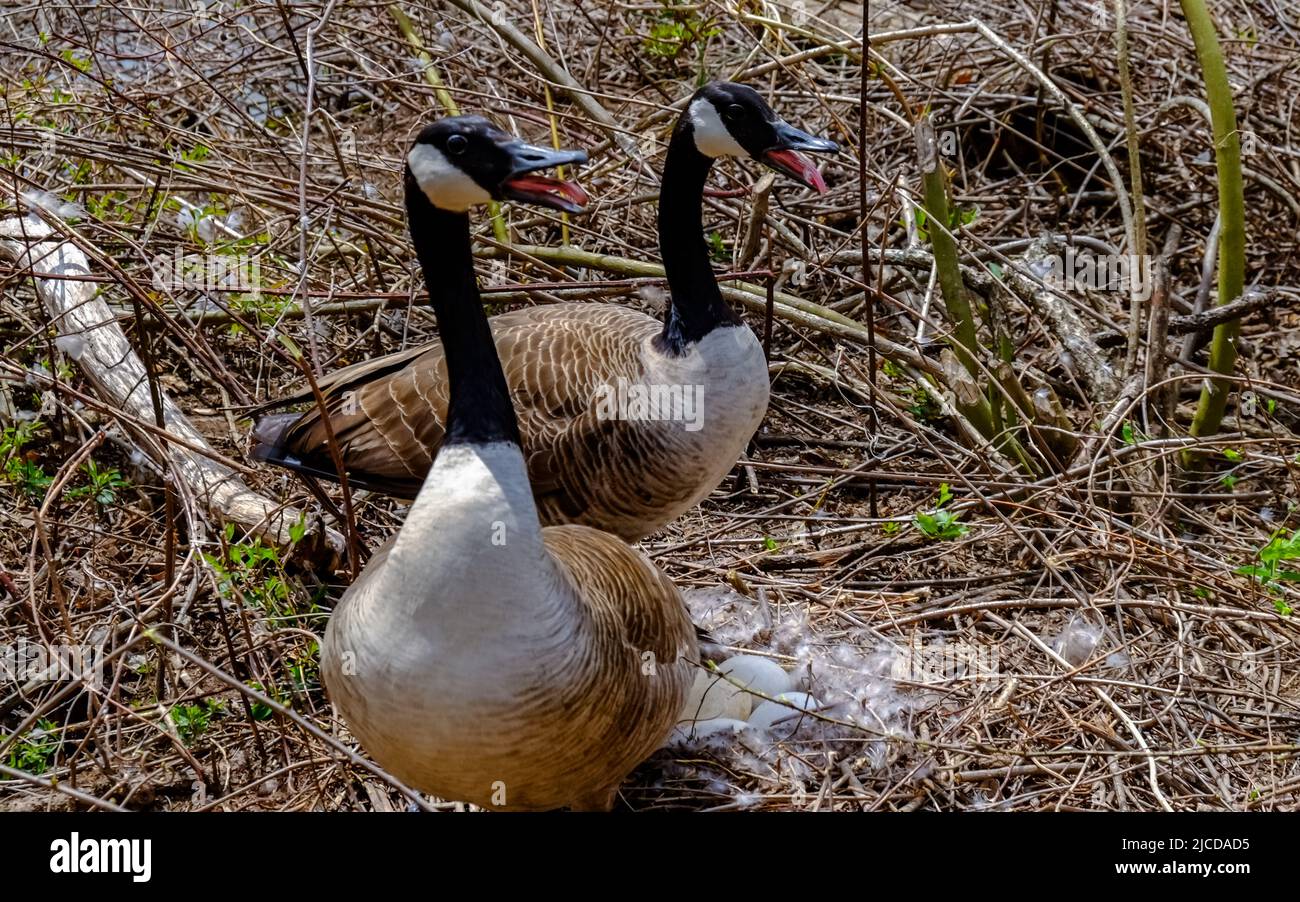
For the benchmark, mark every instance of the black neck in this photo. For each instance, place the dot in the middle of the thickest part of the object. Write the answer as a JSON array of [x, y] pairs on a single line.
[[696, 307], [479, 409]]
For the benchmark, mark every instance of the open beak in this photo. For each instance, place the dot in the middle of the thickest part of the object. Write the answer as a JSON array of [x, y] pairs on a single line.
[[523, 185], [786, 157]]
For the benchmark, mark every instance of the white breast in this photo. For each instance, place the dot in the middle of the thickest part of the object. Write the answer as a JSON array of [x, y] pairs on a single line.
[[729, 364], [428, 652], [466, 585]]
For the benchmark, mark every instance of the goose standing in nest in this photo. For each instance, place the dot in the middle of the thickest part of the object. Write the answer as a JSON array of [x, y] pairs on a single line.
[[481, 657], [627, 422]]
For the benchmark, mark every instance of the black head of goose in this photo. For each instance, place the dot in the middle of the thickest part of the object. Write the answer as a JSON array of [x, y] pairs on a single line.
[[480, 657], [723, 119], [454, 164], [627, 421]]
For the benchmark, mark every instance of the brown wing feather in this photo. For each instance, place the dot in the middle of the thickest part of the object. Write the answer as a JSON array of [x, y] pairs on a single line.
[[629, 599], [648, 652], [347, 377], [387, 414]]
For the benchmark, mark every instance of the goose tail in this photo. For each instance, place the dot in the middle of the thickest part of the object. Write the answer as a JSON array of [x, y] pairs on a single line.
[[273, 443], [268, 438]]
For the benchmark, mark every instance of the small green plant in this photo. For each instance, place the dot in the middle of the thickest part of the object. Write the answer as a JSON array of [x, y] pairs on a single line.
[[263, 711], [1271, 572], [304, 676], [941, 524], [298, 528], [112, 205], [957, 217], [253, 572], [34, 750], [102, 487], [265, 308], [60, 367], [771, 544], [677, 29], [923, 405], [197, 154], [192, 721], [667, 38], [717, 250], [31, 478], [78, 174], [19, 466], [70, 57], [889, 527], [963, 216], [301, 679]]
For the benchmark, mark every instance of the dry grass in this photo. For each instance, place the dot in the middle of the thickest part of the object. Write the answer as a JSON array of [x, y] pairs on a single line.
[[1134, 668]]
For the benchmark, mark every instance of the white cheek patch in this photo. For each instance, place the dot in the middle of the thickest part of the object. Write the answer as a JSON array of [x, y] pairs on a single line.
[[444, 183], [711, 136]]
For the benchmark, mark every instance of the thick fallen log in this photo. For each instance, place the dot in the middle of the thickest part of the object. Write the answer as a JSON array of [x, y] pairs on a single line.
[[108, 361]]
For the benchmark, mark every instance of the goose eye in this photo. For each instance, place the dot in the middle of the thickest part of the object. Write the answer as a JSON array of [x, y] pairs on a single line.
[[456, 145], [735, 112]]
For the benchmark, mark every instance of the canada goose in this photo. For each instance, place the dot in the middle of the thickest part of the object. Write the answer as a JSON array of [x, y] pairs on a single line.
[[627, 422], [479, 656]]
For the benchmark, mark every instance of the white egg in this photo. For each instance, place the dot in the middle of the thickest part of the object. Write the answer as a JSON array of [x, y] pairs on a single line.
[[759, 674], [711, 696], [780, 718]]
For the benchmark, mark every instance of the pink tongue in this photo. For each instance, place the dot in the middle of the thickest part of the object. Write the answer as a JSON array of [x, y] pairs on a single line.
[[540, 184], [797, 162]]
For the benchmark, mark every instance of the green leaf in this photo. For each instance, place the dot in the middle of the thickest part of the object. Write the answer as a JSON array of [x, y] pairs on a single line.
[[81, 63], [717, 249], [1254, 570], [921, 231], [290, 345]]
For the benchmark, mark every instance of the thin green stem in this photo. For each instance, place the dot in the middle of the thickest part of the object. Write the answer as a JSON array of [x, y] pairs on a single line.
[[1232, 213]]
